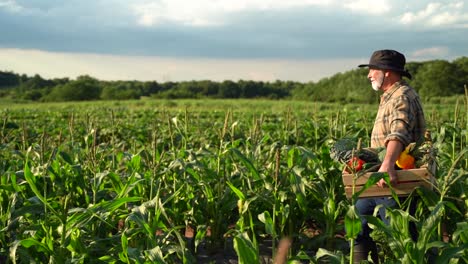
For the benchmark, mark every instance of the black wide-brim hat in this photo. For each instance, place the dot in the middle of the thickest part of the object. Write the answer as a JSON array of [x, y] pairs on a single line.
[[388, 60]]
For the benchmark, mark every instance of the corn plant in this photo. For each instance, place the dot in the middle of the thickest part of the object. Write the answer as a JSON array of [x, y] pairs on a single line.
[[122, 182]]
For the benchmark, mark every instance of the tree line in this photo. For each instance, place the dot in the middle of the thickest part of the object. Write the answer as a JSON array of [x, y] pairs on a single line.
[[432, 79]]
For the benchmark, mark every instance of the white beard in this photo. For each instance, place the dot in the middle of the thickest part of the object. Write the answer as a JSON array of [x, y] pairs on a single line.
[[378, 82], [376, 86]]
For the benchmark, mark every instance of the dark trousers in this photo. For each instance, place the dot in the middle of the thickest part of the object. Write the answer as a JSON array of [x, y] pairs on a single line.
[[366, 206]]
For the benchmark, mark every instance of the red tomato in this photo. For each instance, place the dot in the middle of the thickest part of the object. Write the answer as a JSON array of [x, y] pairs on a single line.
[[355, 164]]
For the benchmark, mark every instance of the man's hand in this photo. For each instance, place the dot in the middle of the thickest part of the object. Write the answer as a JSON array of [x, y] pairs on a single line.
[[394, 148], [391, 173]]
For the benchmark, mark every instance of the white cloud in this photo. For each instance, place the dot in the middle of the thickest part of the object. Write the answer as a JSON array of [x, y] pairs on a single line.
[[208, 12], [429, 53], [372, 7], [10, 5], [438, 15], [300, 29], [197, 13]]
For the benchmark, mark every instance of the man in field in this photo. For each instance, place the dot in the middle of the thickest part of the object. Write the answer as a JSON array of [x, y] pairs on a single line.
[[399, 121]]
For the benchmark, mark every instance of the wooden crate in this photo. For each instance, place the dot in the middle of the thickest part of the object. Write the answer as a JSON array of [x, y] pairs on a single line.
[[408, 180]]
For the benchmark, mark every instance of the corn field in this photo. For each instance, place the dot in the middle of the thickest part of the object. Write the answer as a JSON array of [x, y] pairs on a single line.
[[215, 181]]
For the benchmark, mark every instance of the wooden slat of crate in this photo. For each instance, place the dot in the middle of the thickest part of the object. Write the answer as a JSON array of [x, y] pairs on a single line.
[[408, 180]]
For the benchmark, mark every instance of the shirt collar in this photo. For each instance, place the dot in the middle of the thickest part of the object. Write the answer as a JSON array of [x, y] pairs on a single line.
[[388, 94]]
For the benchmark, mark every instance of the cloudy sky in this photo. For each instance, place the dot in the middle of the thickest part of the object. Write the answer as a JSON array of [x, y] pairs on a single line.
[[175, 40]]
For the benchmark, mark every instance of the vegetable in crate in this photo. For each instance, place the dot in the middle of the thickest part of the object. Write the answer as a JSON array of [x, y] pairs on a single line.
[[355, 164], [427, 153], [342, 151], [406, 159], [418, 154]]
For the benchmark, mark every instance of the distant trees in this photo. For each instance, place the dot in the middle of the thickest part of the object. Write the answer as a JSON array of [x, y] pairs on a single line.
[[462, 70], [229, 89], [348, 87], [431, 79], [8, 79], [84, 88], [439, 78], [121, 91], [462, 63]]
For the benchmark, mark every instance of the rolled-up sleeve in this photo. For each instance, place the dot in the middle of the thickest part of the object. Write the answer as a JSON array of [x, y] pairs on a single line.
[[401, 121]]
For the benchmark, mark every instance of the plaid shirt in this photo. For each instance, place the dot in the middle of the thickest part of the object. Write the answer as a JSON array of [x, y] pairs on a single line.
[[400, 117]]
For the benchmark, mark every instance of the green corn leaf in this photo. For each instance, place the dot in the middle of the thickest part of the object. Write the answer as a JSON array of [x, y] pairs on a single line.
[[141, 219], [238, 192], [298, 188], [129, 186], [16, 187], [193, 173], [83, 216], [461, 234], [331, 257], [379, 224], [156, 255], [451, 253], [32, 183], [246, 163], [135, 162], [352, 223], [116, 182], [430, 224], [452, 206], [429, 197], [66, 157], [245, 250], [124, 242], [292, 155], [268, 221], [107, 259], [31, 242], [8, 188], [13, 248]]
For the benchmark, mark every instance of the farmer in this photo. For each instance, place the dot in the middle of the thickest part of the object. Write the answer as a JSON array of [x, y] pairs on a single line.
[[399, 121]]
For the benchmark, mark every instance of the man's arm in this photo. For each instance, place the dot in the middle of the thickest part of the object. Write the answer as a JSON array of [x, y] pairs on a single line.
[[394, 148]]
